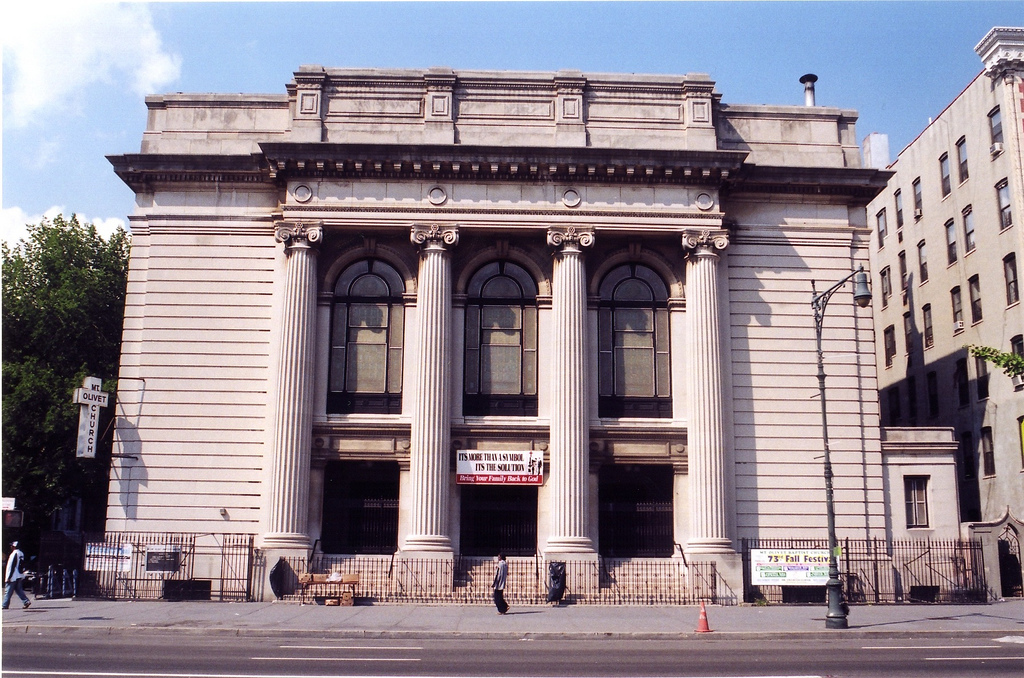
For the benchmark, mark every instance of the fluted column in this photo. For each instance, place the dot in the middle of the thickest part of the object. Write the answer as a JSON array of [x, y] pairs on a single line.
[[293, 420], [706, 431], [570, 431], [429, 467]]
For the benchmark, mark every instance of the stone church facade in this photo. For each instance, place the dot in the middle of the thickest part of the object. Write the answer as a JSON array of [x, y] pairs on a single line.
[[344, 295]]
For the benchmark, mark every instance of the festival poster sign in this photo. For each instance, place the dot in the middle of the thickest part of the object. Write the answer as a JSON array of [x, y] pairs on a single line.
[[103, 557], [789, 567], [499, 467]]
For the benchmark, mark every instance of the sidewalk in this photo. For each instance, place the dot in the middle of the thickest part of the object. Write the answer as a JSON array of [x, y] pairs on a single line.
[[1004, 618]]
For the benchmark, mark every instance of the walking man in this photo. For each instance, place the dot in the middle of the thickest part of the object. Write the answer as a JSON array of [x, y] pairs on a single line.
[[500, 577], [13, 577]]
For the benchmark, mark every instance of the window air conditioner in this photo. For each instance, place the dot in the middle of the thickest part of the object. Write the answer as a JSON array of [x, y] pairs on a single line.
[[958, 325], [996, 148], [917, 214], [1017, 381]]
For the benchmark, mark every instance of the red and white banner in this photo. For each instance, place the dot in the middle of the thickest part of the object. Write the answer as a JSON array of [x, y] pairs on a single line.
[[499, 467]]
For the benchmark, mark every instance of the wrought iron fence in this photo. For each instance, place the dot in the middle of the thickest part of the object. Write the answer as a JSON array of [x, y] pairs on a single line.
[[876, 571], [467, 580], [159, 565]]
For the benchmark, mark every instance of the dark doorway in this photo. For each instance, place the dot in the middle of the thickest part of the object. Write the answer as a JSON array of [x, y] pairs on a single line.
[[635, 518], [360, 507], [498, 519], [1010, 575]]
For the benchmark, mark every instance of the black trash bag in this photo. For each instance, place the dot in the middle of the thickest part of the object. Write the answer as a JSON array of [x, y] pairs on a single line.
[[279, 576], [556, 581]]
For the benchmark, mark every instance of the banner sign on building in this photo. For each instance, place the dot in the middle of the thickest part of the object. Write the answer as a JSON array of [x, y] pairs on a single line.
[[103, 557], [789, 567], [91, 399], [499, 467]]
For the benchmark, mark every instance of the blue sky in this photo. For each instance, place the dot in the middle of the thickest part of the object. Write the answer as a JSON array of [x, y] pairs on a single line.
[[75, 74]]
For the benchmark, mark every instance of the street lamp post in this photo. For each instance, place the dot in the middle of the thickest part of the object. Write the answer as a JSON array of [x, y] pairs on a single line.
[[836, 617]]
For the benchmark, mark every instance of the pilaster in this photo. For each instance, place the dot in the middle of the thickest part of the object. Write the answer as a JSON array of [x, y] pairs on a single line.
[[706, 430]]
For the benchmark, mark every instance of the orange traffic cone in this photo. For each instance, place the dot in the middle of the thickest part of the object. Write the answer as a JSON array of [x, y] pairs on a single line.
[[702, 624]]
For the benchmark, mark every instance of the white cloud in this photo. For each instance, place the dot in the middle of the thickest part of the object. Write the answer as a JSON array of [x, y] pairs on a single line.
[[14, 219], [54, 50]]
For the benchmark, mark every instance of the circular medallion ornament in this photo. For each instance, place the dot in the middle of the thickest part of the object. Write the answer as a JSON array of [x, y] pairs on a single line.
[[571, 197], [705, 202], [302, 193], [437, 196]]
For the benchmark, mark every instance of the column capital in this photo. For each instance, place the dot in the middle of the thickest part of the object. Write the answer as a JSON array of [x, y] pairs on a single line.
[[435, 236], [570, 238], [298, 234], [705, 241]]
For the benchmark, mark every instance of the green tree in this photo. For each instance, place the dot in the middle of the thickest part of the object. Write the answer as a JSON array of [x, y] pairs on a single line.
[[1011, 363], [63, 310]]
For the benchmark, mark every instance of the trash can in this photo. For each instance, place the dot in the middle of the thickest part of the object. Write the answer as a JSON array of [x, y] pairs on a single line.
[[556, 581]]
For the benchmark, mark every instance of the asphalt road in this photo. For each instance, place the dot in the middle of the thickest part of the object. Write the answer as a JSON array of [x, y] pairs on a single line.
[[175, 655]]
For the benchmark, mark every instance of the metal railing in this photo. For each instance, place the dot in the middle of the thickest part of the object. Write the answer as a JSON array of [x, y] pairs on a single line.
[[467, 580], [876, 571], [164, 565]]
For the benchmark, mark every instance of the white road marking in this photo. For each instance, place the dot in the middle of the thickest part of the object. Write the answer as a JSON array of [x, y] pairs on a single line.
[[929, 647], [972, 659], [347, 647], [1010, 639], [336, 659]]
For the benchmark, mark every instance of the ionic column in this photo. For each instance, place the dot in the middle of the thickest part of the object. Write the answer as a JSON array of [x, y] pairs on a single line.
[[293, 420], [429, 467], [570, 432], [706, 429]]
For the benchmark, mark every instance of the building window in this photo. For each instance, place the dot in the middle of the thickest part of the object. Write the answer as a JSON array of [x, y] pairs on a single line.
[[988, 456], [1003, 196], [894, 405], [915, 490], [889, 338], [903, 270], [1017, 344], [883, 229], [912, 400], [961, 383], [974, 285], [501, 342], [967, 464], [929, 337], [1010, 273], [958, 309], [951, 242], [367, 331], [898, 197], [922, 260], [995, 123], [961, 156], [968, 215], [633, 344], [908, 335], [918, 199], [886, 285], [1020, 429], [944, 174], [932, 384], [981, 381]]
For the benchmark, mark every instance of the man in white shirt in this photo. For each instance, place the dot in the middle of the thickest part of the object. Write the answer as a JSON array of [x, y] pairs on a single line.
[[13, 577]]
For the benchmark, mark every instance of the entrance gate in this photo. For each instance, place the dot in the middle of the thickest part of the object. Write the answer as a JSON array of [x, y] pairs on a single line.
[[498, 519], [360, 507], [635, 519], [1010, 575]]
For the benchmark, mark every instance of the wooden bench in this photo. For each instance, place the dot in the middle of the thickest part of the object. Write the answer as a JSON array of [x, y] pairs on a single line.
[[335, 590]]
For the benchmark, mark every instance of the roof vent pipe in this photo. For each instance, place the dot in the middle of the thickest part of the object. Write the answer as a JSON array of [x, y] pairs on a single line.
[[808, 83]]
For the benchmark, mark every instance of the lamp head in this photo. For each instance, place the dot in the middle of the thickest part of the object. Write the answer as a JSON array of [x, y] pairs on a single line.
[[861, 293]]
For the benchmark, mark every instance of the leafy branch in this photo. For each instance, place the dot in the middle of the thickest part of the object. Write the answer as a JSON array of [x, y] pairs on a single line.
[[1011, 363]]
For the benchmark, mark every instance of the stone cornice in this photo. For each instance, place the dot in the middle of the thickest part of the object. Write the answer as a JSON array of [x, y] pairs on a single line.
[[856, 184], [141, 170], [497, 163], [1002, 50]]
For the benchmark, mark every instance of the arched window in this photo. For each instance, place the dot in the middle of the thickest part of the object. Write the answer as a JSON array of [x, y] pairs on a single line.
[[367, 330], [501, 342], [633, 348]]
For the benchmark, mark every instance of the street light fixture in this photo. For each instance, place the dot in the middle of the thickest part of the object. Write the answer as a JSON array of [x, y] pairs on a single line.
[[836, 617]]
